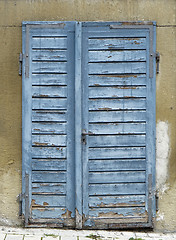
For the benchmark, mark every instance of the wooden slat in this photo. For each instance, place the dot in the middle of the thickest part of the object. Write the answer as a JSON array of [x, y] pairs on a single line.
[[49, 67], [48, 188], [49, 152], [126, 152], [49, 213], [49, 43], [116, 104], [120, 140], [49, 91], [58, 116], [117, 177], [40, 164], [117, 201], [49, 128], [109, 56], [116, 223], [49, 79], [117, 68], [46, 200], [48, 55], [45, 103], [110, 80], [117, 189], [117, 212], [49, 140], [115, 116], [50, 177], [117, 128], [117, 43], [117, 165], [115, 92]]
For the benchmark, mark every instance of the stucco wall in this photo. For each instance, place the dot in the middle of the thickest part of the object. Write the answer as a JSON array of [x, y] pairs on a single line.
[[12, 13]]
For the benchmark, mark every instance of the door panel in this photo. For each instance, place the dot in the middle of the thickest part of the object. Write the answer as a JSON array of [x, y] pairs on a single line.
[[49, 58], [115, 116]]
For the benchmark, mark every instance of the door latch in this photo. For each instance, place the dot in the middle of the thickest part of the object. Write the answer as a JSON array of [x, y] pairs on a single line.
[[84, 134]]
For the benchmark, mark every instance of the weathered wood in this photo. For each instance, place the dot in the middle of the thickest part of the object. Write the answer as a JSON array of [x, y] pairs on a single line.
[[49, 91], [49, 128], [48, 201], [48, 140], [45, 116], [120, 140], [117, 165], [117, 104], [49, 188], [117, 116], [114, 68], [49, 177], [45, 103], [49, 212], [115, 152], [121, 223], [117, 128], [117, 92], [117, 201], [49, 67], [110, 56], [117, 189], [48, 55], [49, 43], [49, 79], [40, 164], [49, 152], [117, 212], [117, 43], [117, 177], [117, 80]]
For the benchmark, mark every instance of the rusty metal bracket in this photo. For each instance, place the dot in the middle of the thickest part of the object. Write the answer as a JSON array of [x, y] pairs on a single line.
[[157, 61], [157, 200], [20, 64], [20, 199]]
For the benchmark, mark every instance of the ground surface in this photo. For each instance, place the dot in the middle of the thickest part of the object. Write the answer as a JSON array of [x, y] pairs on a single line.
[[9, 233]]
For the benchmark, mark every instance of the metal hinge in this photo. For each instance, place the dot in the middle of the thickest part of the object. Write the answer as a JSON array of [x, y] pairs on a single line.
[[20, 64], [20, 199], [157, 200], [157, 61]]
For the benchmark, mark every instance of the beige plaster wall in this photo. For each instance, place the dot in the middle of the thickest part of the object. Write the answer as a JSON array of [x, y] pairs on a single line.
[[12, 13]]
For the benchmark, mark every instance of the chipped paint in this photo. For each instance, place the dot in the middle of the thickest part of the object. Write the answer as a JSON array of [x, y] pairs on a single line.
[[40, 144], [67, 214], [118, 76]]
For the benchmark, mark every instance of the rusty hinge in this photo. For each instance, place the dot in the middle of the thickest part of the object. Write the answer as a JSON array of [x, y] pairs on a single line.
[[20, 64], [157, 61], [20, 199], [157, 200]]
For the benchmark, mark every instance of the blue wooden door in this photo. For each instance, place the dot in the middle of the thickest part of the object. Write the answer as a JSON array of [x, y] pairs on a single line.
[[118, 125], [88, 124], [48, 124]]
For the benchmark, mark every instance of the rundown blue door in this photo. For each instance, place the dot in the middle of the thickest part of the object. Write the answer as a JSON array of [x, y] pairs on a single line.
[[118, 125], [89, 124], [48, 124]]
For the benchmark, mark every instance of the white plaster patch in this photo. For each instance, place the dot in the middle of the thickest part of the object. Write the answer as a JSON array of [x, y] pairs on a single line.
[[162, 155], [160, 216]]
